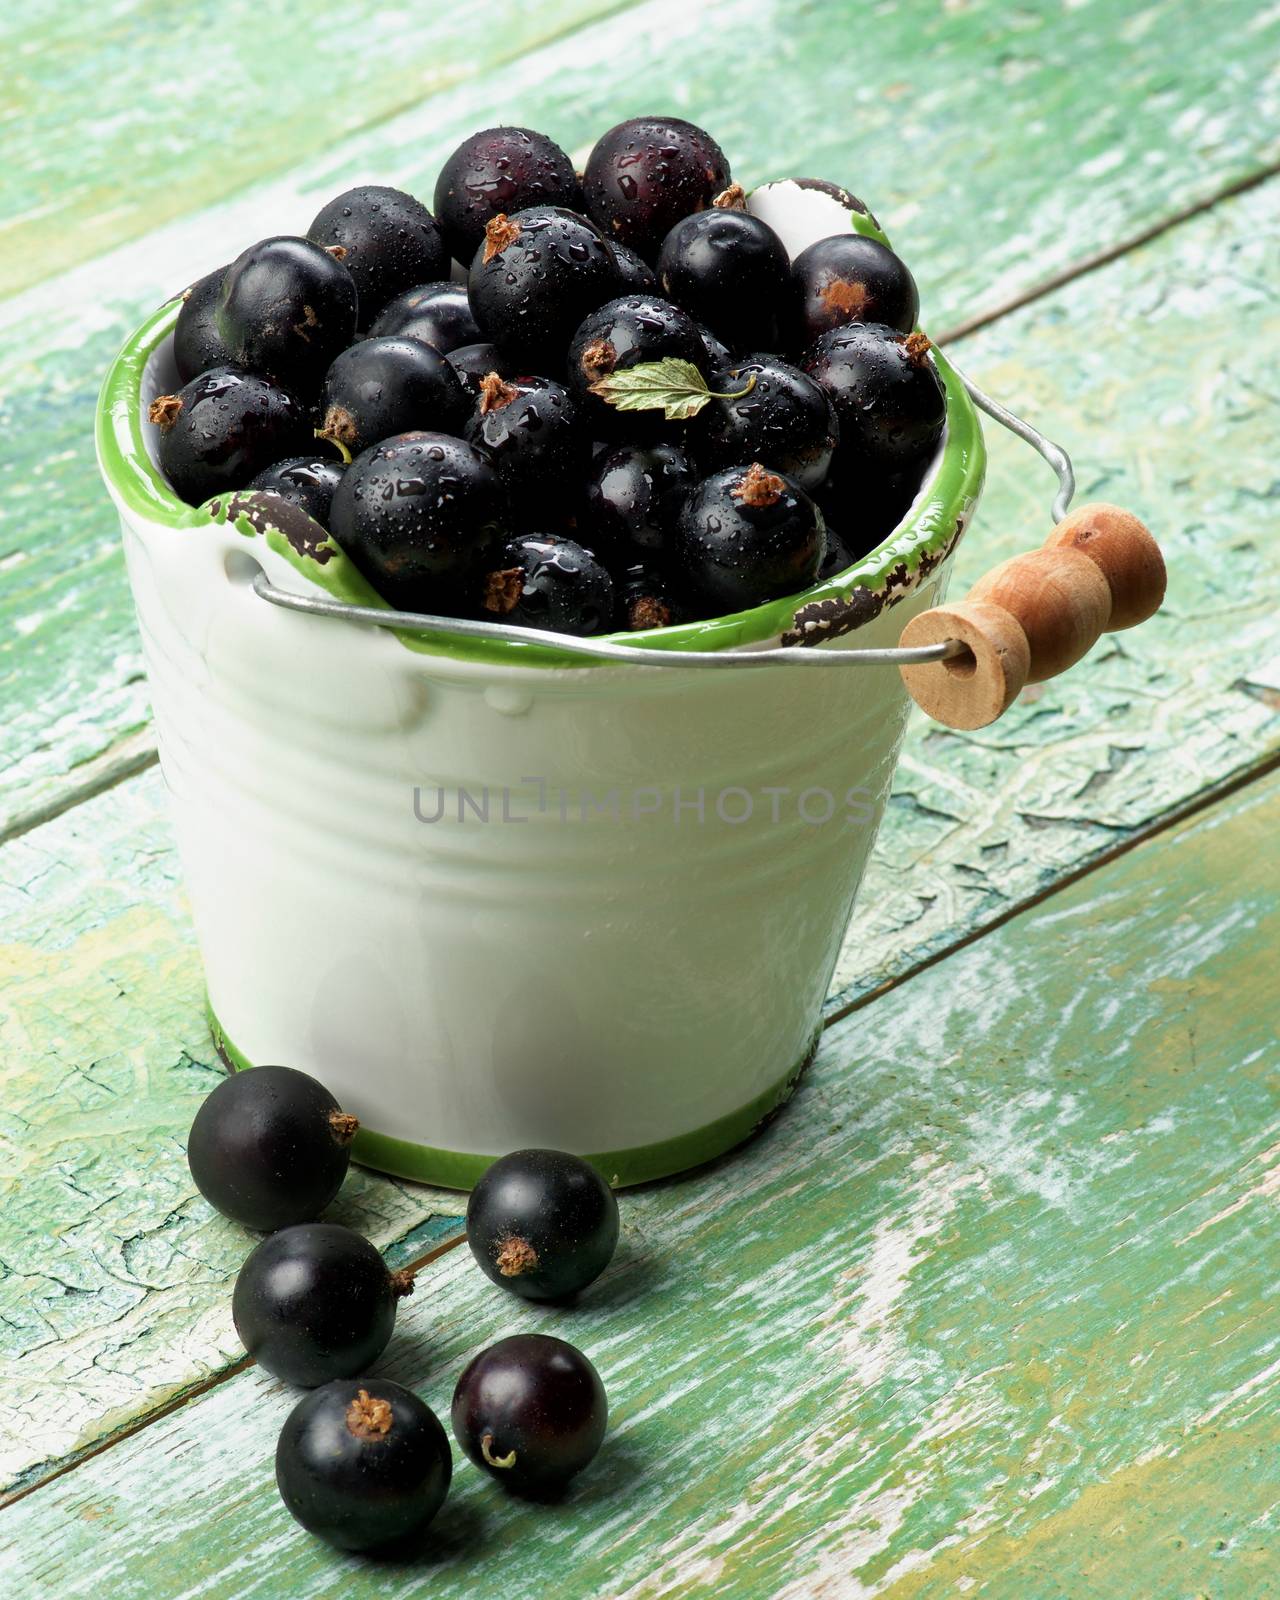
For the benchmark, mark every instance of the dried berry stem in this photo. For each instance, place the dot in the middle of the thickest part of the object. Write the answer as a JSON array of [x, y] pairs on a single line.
[[369, 1418], [495, 392], [343, 1126], [402, 1283], [759, 487], [486, 1450]]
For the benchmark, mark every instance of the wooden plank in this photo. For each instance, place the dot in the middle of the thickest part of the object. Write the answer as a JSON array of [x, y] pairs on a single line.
[[1058, 158], [986, 1310], [114, 1273]]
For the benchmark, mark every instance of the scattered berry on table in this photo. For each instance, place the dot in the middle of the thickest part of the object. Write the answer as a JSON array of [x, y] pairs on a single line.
[[849, 278], [542, 1223], [387, 240], [419, 514], [785, 420], [286, 308], [304, 481], [633, 497], [437, 313], [887, 393], [645, 174], [533, 432], [364, 1464], [388, 385], [316, 1302], [730, 271], [545, 580], [530, 1411], [223, 428], [197, 344], [500, 169], [747, 535]]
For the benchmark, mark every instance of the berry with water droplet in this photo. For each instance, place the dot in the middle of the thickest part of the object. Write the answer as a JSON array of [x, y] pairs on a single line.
[[532, 430], [437, 313], [197, 344], [786, 421], [747, 535], [286, 308], [849, 278], [223, 428], [500, 170], [635, 275], [887, 393], [543, 580], [629, 332], [646, 598], [307, 482], [730, 271], [474, 362], [633, 497], [648, 172], [387, 240], [382, 386]]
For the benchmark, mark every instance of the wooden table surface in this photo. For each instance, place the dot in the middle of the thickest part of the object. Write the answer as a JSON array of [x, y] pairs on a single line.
[[991, 1309]]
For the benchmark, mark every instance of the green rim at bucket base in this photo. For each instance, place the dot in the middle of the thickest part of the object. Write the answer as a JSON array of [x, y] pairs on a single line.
[[455, 1169]]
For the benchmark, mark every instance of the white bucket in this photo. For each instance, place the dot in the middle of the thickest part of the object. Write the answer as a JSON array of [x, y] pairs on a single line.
[[617, 937]]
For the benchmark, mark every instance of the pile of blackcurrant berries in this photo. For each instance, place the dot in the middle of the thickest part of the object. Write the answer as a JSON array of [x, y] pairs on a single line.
[[634, 409], [364, 1462]]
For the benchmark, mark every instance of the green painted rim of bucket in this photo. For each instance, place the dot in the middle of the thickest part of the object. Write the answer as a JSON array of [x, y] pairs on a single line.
[[914, 548], [454, 1169]]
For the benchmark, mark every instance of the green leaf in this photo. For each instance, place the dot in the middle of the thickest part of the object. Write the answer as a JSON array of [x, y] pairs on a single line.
[[671, 385]]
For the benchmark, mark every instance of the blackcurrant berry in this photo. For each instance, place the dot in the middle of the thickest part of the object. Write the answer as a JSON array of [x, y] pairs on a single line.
[[270, 1147], [437, 313], [286, 308], [719, 355], [836, 556], [364, 1464], [645, 598], [887, 394], [500, 169], [531, 1411], [387, 240], [474, 362], [785, 420], [223, 428], [647, 173], [197, 345], [633, 497], [865, 503], [315, 1302], [849, 278], [389, 385], [635, 275], [542, 1223], [623, 333], [533, 279], [730, 271], [747, 535], [304, 481], [543, 580], [419, 514], [533, 433]]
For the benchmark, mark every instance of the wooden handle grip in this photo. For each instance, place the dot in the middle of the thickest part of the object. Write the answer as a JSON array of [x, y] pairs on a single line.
[[1036, 614]]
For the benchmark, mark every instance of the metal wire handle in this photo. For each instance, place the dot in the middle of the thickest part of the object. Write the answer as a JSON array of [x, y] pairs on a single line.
[[601, 650]]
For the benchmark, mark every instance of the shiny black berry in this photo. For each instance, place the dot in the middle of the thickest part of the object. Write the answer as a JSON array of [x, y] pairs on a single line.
[[837, 556], [223, 428], [747, 535], [646, 598], [848, 278], [474, 362], [785, 420], [388, 242], [500, 169], [887, 393], [730, 271], [633, 496], [197, 344], [286, 308], [534, 277], [719, 356], [635, 275], [315, 1302], [542, 1223], [304, 481], [437, 313], [532, 431], [647, 173], [387, 385], [270, 1147], [544, 580], [865, 504], [419, 515], [530, 1411], [623, 333], [364, 1464]]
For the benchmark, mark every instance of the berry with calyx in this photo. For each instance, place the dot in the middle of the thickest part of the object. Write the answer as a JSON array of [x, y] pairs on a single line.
[[307, 482], [223, 428], [437, 313], [633, 497], [730, 271], [849, 278], [786, 421], [887, 393], [531, 1411], [474, 362], [648, 172], [364, 1464], [630, 331], [286, 308], [645, 598], [419, 515], [500, 170], [747, 535], [197, 344], [532, 430], [535, 276], [387, 240], [387, 385], [316, 1302], [543, 580]]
